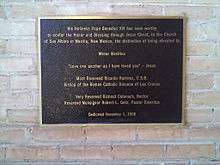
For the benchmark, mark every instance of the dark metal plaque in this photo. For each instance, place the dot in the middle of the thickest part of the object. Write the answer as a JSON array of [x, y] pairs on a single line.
[[111, 70]]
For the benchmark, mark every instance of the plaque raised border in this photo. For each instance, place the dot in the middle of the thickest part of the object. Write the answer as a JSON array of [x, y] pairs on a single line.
[[114, 17]]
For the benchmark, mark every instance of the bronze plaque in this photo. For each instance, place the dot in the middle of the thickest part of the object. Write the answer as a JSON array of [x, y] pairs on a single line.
[[111, 70]]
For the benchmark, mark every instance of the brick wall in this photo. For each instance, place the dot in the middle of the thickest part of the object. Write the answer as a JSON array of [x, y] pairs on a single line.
[[23, 141]]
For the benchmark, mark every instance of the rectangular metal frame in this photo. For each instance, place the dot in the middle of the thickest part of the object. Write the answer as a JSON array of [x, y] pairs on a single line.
[[183, 122]]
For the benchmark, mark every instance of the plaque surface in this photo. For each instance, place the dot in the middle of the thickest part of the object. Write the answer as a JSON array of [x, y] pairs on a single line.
[[111, 70]]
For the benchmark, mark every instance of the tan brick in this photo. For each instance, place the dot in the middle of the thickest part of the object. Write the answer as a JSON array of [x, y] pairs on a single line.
[[2, 13], [16, 65], [218, 151], [87, 152], [167, 1], [9, 2], [217, 116], [199, 116], [110, 133], [17, 28], [10, 135], [20, 46], [203, 64], [204, 48], [99, 7], [137, 9], [33, 153], [205, 1], [4, 82], [36, 98], [205, 134], [217, 12], [177, 163], [98, 152], [23, 115], [190, 151], [136, 162], [20, 100], [73, 152], [147, 1], [2, 153], [207, 163], [80, 8], [31, 10], [199, 81], [201, 31], [137, 151], [2, 45], [4, 98], [161, 133], [192, 12], [217, 81], [207, 98], [24, 82], [218, 47], [192, 34], [59, 133], [3, 115]]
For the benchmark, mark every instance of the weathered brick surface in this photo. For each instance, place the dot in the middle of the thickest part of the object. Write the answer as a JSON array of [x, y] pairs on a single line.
[[98, 152], [192, 12], [167, 1], [3, 115], [117, 152], [148, 1], [208, 163], [2, 13], [80, 8], [86, 152], [20, 100], [161, 133], [218, 46], [137, 151], [31, 10], [24, 82], [199, 116], [217, 81], [74, 152], [17, 27], [99, 8], [16, 65], [203, 65], [204, 48], [205, 134], [199, 81], [23, 115], [32, 153], [110, 133], [216, 2], [21, 46], [2, 153], [207, 98], [4, 82], [201, 31], [218, 151], [176, 163], [51, 133], [12, 135], [4, 101], [138, 9], [2, 45], [36, 98], [190, 151], [217, 116]]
